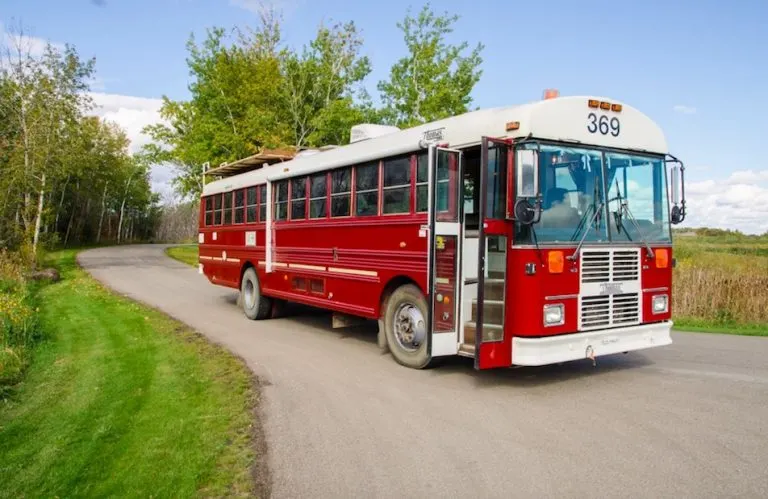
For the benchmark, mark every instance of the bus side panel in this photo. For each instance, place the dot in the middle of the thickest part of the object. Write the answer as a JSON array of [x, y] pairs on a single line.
[[354, 260]]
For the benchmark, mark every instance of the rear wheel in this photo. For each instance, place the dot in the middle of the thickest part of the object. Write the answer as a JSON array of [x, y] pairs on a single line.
[[405, 327], [255, 305]]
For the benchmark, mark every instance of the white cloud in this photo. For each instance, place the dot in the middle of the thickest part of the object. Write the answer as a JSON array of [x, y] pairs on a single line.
[[132, 114], [33, 45], [740, 202], [679, 108]]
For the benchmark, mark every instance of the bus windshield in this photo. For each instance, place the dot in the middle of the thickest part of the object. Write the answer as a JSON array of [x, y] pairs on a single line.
[[575, 204]]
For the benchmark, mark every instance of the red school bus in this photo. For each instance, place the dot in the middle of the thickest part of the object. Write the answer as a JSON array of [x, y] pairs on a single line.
[[517, 236]]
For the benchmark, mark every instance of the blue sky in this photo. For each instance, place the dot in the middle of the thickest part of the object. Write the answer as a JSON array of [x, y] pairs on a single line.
[[698, 68]]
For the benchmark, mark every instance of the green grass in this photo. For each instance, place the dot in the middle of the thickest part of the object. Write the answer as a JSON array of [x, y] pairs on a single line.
[[122, 401], [184, 254]]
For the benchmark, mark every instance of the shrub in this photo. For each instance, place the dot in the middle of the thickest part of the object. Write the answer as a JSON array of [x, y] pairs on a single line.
[[18, 320]]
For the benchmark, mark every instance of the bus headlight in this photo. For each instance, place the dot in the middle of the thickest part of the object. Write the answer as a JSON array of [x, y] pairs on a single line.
[[660, 304], [554, 315]]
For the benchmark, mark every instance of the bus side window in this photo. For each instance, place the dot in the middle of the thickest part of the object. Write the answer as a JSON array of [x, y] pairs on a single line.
[[281, 200], [367, 189], [239, 206], [299, 198], [227, 208], [318, 189], [397, 185], [341, 192], [217, 209], [209, 211], [263, 203], [422, 178], [250, 205]]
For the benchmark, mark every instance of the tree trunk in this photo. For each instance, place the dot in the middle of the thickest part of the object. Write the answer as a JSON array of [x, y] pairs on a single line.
[[39, 218], [61, 202], [122, 210], [103, 209]]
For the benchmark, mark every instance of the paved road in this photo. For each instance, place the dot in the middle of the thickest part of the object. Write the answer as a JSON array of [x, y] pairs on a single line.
[[342, 420]]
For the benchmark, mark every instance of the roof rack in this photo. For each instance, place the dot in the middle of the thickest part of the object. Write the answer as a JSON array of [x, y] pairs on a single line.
[[253, 162]]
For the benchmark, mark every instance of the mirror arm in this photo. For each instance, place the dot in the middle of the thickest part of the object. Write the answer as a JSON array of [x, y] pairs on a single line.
[[538, 209]]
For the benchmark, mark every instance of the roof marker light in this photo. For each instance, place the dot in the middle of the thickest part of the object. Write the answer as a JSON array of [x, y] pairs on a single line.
[[513, 125], [616, 107], [594, 103], [551, 93], [606, 106]]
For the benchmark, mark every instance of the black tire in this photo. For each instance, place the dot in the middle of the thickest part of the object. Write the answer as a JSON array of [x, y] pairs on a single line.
[[418, 358], [260, 307]]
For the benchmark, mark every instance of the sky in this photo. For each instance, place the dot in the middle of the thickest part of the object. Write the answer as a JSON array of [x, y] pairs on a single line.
[[697, 67]]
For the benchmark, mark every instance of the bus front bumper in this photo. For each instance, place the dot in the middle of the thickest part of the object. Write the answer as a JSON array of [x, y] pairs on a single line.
[[590, 344]]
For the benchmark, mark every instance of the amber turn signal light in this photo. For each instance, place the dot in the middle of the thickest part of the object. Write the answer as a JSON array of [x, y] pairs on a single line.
[[662, 258], [555, 262]]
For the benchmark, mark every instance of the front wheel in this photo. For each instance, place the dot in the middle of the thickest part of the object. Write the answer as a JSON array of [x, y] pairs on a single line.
[[406, 327], [255, 305]]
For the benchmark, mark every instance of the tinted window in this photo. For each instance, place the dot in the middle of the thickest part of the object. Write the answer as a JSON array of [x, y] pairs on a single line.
[[397, 172], [281, 200], [397, 185], [367, 184], [227, 208], [341, 192], [298, 198]]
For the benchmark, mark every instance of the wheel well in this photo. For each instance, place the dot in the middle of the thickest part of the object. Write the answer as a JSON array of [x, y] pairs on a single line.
[[248, 265], [391, 286]]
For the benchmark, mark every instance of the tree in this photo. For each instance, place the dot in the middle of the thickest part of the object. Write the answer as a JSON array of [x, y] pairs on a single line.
[[435, 80], [321, 85], [59, 168], [45, 98], [234, 111], [249, 93]]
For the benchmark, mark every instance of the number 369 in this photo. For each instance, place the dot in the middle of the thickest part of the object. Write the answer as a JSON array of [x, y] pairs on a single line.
[[603, 125]]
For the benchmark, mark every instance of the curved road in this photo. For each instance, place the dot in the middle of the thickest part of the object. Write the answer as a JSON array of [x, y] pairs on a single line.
[[343, 420]]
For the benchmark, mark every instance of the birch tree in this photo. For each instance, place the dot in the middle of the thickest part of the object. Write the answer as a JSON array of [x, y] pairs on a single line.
[[435, 79]]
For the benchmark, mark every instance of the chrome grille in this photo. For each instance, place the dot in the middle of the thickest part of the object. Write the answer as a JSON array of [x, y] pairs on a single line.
[[610, 288], [626, 266], [596, 266]]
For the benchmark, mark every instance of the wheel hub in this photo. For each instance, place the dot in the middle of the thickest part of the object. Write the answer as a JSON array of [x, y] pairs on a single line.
[[410, 327]]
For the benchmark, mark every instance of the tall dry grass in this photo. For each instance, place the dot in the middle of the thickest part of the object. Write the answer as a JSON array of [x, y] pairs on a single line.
[[721, 283]]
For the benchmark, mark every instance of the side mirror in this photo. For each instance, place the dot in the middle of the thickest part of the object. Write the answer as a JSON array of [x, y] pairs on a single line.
[[527, 173], [525, 212], [675, 185], [677, 188]]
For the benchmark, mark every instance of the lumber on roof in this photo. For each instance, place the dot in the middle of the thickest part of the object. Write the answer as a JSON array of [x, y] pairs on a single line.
[[254, 162]]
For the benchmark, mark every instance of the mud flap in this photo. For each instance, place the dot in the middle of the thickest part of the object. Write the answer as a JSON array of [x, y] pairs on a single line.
[[382, 337]]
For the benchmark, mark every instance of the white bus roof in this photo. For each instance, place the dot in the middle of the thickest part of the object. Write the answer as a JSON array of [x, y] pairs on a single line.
[[561, 119]]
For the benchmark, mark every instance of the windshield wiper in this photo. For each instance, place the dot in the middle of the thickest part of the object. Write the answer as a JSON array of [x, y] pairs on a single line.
[[596, 215], [624, 209]]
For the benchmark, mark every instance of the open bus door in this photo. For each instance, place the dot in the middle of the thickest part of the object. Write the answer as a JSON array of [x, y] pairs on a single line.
[[444, 248], [493, 347]]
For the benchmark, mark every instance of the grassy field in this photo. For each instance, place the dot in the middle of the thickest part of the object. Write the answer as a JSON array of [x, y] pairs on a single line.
[[121, 400], [721, 283], [184, 254]]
